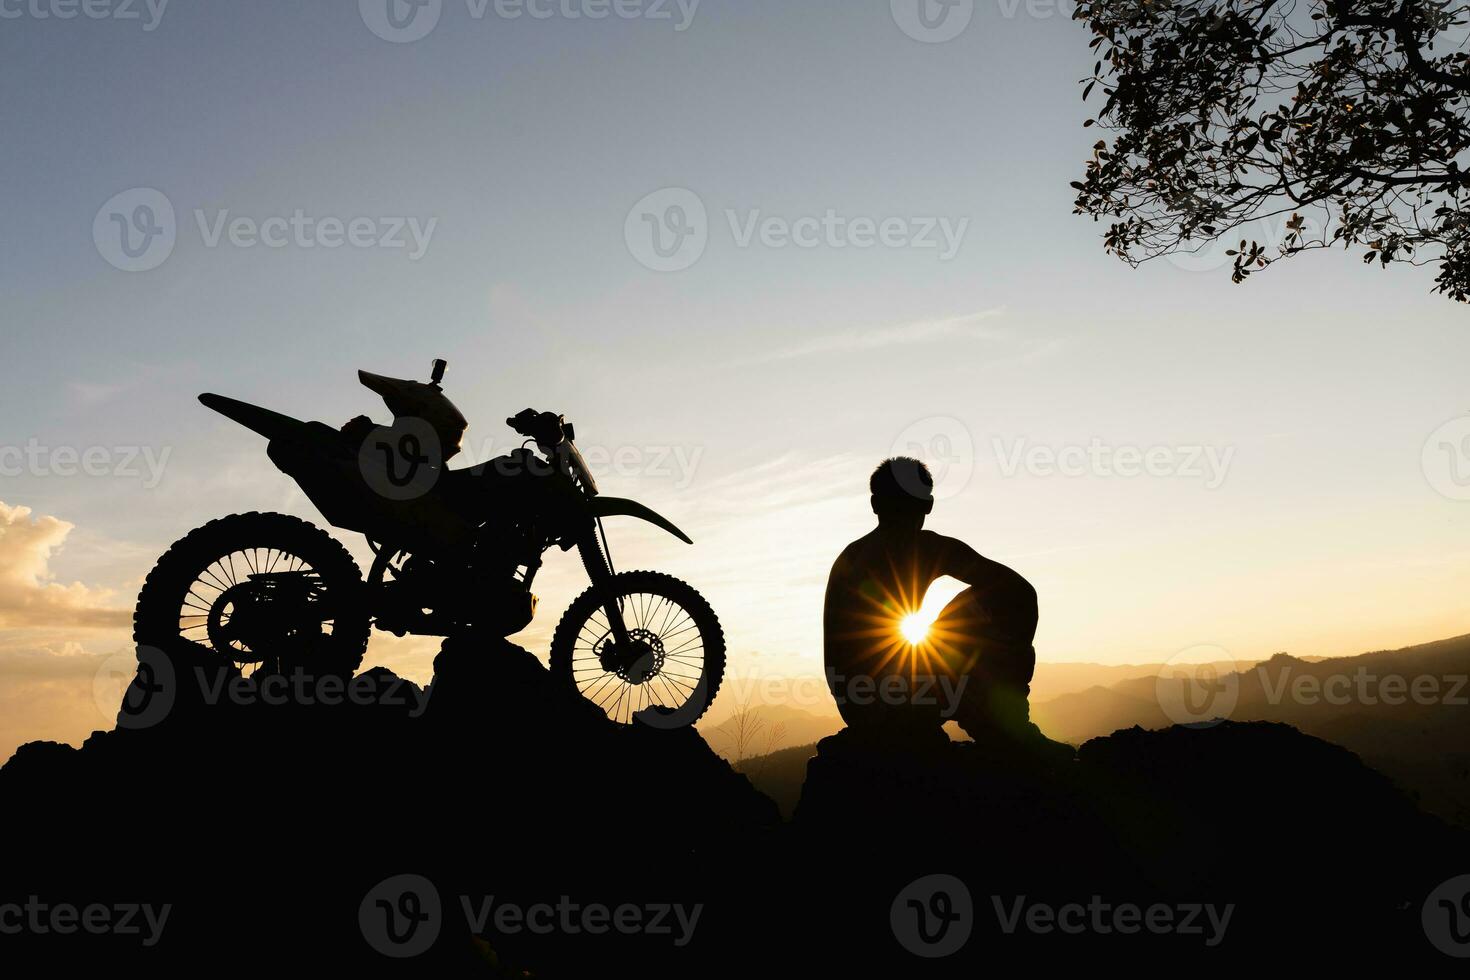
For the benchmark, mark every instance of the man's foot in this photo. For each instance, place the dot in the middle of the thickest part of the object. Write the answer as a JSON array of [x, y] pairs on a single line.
[[1022, 743]]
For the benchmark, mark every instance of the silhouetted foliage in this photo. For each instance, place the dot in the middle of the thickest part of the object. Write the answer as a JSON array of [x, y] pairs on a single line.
[[1346, 118]]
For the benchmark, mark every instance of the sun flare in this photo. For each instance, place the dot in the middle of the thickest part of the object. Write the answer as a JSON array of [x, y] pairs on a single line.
[[915, 627]]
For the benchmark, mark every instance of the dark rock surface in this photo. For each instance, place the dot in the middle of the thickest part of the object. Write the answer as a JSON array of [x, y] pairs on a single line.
[[1323, 860], [266, 821], [270, 823]]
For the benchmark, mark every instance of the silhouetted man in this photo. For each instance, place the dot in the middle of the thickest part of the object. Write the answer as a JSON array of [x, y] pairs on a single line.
[[976, 662]]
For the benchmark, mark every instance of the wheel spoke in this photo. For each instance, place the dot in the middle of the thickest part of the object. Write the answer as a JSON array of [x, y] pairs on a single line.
[[667, 669]]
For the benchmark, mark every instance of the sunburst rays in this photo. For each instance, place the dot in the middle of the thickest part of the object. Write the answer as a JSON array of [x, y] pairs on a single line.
[[898, 634]]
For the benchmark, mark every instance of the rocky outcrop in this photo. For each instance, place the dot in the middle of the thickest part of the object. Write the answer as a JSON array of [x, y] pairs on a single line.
[[265, 815], [350, 827]]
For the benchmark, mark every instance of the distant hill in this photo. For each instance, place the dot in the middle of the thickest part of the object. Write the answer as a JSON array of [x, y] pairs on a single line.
[[769, 728], [780, 775], [1405, 712], [1056, 678]]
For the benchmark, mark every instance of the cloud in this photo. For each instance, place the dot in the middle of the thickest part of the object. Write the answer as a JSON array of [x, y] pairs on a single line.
[[51, 693], [88, 395], [29, 595], [767, 537], [971, 327]]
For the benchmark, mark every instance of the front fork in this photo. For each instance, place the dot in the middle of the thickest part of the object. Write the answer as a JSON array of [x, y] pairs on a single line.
[[600, 572]]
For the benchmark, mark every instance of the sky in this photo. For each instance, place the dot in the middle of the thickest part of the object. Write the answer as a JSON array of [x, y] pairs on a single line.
[[750, 248]]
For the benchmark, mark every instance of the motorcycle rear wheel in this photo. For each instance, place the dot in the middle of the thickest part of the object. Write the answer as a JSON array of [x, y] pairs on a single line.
[[190, 595], [682, 664]]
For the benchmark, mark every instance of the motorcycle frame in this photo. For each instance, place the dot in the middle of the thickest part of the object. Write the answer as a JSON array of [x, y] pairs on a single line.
[[275, 426]]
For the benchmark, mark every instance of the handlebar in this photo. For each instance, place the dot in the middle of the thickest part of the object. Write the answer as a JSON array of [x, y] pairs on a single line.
[[547, 428], [555, 437]]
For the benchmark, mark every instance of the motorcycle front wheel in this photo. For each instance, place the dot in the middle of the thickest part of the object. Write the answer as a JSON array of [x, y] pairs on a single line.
[[672, 669]]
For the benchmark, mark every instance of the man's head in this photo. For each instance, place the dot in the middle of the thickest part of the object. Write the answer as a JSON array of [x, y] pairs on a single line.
[[903, 492]]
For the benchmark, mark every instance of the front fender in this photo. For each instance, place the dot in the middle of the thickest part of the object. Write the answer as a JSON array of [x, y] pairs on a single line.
[[618, 507]]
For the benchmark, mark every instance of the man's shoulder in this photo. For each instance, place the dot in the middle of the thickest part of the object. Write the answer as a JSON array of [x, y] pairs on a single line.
[[854, 553], [932, 541]]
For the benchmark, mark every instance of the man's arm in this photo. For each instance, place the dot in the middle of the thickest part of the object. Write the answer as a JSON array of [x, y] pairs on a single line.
[[1003, 591]]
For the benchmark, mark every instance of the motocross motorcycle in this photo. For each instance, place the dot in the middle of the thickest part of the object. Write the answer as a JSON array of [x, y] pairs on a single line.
[[454, 551]]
